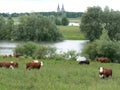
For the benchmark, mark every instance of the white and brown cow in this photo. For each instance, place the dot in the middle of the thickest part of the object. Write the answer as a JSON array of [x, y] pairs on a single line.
[[35, 64], [105, 72], [9, 64]]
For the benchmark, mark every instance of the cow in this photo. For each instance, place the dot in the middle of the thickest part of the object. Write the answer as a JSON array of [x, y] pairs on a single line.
[[102, 59], [9, 64], [105, 72], [84, 62], [35, 64]]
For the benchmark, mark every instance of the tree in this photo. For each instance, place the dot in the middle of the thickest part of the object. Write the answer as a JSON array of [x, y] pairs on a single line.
[[9, 29], [58, 21], [113, 24], [65, 21], [2, 28], [103, 47], [94, 20], [91, 23], [38, 28], [108, 48]]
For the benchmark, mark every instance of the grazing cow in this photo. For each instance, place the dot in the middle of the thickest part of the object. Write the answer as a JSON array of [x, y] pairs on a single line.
[[35, 64], [105, 72], [102, 59], [84, 62], [9, 64]]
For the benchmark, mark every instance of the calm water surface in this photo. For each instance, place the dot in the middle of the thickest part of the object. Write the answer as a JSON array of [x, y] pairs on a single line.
[[6, 48]]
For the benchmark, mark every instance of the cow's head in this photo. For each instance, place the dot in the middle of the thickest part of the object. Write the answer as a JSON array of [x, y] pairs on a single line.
[[41, 63], [101, 69]]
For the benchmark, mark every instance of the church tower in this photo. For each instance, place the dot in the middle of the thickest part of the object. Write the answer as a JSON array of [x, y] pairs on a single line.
[[58, 8], [62, 9]]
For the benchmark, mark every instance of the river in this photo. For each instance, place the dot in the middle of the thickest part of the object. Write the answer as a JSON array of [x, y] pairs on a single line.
[[6, 48]]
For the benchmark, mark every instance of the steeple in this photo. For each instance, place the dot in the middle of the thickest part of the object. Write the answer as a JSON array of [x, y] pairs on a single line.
[[58, 8], [62, 9]]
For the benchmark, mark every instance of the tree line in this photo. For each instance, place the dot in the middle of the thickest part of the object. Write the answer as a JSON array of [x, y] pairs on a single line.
[[56, 14], [29, 28]]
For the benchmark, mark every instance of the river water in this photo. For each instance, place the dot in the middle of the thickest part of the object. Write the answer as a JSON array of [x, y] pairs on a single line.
[[6, 48]]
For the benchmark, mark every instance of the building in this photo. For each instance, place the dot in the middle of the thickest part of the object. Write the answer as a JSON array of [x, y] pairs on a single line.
[[60, 9]]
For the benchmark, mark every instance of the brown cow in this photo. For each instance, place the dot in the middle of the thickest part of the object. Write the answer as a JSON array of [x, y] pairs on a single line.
[[9, 64], [102, 59], [105, 72], [34, 64]]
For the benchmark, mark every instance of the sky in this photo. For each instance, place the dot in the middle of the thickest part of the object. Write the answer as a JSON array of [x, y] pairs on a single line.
[[21, 6]]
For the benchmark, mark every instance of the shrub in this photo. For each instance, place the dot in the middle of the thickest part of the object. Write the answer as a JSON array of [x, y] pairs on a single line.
[[103, 47], [65, 21], [35, 50], [27, 48], [89, 50]]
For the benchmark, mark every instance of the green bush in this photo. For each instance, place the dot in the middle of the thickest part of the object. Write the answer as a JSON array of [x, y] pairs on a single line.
[[89, 50], [35, 50], [103, 47], [65, 21], [27, 48]]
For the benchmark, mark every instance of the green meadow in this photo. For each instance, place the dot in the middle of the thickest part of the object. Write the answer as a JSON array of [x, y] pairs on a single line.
[[71, 32], [58, 75]]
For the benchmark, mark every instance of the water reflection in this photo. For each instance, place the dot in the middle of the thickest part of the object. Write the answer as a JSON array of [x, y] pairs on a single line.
[[67, 45], [6, 48], [73, 24]]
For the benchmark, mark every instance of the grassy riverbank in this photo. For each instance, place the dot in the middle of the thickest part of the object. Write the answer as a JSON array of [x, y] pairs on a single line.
[[58, 75], [71, 32]]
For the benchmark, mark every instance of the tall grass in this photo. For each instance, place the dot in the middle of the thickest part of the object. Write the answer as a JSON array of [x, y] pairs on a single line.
[[58, 75], [71, 32]]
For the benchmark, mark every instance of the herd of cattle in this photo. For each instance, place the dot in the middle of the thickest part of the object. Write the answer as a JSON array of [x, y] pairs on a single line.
[[103, 72], [35, 64]]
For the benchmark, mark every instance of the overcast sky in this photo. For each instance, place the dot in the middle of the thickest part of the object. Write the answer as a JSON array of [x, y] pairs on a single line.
[[11, 6]]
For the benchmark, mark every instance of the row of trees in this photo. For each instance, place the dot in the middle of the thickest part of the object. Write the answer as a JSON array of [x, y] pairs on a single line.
[[29, 27], [56, 14], [102, 28]]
